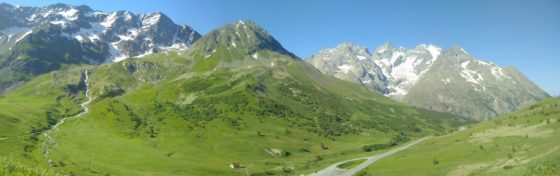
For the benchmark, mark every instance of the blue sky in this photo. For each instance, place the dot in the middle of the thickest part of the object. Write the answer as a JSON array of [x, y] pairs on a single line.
[[524, 34]]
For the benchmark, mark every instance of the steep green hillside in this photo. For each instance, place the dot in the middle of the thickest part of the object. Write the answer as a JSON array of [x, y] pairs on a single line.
[[194, 113], [521, 143]]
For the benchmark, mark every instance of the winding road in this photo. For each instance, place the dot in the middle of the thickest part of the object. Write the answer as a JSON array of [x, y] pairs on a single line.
[[333, 170]]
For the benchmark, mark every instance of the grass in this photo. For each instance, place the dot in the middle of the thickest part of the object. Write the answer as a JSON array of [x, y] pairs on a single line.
[[351, 164], [548, 166], [513, 144], [167, 115], [10, 167]]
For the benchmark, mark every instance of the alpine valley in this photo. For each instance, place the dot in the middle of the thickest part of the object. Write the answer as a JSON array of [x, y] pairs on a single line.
[[86, 92]]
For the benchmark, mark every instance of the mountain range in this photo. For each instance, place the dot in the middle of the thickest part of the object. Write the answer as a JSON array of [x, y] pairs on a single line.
[[430, 77], [37, 40], [71, 104], [86, 92]]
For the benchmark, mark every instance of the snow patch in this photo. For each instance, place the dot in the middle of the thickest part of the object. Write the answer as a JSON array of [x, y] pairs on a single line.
[[32, 18], [127, 16], [47, 13], [130, 34], [109, 20], [361, 57], [465, 64], [115, 53], [434, 51], [151, 20], [176, 47], [464, 51], [24, 35], [208, 55], [99, 13], [344, 68], [91, 33], [70, 14], [13, 31], [499, 73], [483, 63], [405, 72], [470, 75]]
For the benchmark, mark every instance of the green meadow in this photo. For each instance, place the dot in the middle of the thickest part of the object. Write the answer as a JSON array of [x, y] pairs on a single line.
[[525, 142]]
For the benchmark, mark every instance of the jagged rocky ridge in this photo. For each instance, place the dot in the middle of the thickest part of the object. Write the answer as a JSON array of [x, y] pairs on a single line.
[[37, 40], [427, 76]]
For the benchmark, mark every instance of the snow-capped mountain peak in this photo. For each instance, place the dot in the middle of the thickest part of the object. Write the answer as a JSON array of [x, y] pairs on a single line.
[[119, 35], [430, 77]]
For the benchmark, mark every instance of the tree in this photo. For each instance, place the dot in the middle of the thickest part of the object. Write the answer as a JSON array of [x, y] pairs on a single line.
[[435, 162]]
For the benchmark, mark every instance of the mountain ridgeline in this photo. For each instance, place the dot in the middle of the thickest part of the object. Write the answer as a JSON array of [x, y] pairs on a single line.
[[157, 98], [232, 95], [36, 40], [429, 77]]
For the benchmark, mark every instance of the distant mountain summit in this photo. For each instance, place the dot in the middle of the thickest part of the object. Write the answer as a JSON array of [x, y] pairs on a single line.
[[351, 62], [243, 36], [38, 40], [427, 76], [117, 35]]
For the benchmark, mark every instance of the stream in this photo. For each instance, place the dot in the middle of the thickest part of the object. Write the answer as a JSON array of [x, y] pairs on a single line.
[[49, 142]]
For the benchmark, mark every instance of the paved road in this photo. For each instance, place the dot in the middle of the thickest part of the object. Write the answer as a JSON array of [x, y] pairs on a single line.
[[333, 170]]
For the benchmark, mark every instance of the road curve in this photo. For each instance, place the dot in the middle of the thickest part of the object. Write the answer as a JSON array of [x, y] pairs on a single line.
[[333, 170]]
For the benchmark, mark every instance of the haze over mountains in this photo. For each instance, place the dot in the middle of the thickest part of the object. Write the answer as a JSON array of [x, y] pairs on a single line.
[[447, 80]]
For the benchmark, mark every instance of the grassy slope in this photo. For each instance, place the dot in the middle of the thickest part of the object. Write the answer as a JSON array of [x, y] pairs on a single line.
[[11, 167], [171, 115], [521, 143], [33, 108]]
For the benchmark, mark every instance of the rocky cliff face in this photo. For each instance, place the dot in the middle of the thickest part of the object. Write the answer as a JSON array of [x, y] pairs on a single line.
[[427, 76], [38, 40]]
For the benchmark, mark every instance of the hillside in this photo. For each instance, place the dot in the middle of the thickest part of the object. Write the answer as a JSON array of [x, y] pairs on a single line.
[[524, 142], [196, 111]]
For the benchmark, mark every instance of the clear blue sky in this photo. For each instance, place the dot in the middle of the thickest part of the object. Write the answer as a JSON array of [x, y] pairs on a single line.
[[524, 34]]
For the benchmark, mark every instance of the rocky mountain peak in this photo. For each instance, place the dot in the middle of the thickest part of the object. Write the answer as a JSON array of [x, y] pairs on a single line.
[[386, 47], [354, 49], [431, 77], [83, 36], [244, 36]]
